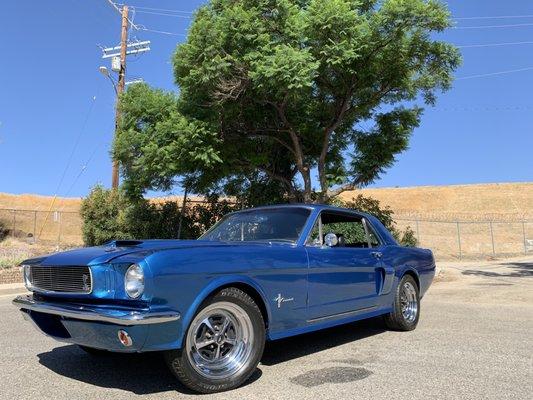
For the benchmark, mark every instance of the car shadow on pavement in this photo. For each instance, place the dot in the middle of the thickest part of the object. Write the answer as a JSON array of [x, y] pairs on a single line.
[[513, 270], [144, 373], [283, 350], [147, 373]]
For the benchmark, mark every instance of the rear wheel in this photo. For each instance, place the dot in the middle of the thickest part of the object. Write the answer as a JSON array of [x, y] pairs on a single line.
[[223, 344], [406, 308]]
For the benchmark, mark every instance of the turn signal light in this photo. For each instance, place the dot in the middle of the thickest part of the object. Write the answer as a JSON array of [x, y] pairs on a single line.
[[124, 338]]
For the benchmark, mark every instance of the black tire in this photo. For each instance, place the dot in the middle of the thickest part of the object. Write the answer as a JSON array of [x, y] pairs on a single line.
[[396, 320], [94, 352], [180, 363]]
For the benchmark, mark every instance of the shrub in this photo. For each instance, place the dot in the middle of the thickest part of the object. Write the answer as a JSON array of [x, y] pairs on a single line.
[[408, 238], [384, 214], [3, 230], [103, 215], [207, 214], [111, 214]]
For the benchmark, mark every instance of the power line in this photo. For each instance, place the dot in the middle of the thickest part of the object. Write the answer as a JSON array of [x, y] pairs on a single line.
[[495, 17], [143, 28], [510, 71], [160, 9], [485, 108], [69, 160], [115, 6], [77, 141], [82, 170], [491, 26], [165, 14], [493, 44]]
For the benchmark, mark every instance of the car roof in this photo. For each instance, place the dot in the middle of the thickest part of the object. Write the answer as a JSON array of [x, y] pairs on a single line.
[[316, 207]]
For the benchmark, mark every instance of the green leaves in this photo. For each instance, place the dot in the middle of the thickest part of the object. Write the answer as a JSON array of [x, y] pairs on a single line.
[[156, 143], [270, 90], [376, 150], [282, 68]]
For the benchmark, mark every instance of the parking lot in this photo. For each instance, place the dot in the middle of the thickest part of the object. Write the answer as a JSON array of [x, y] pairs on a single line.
[[473, 342]]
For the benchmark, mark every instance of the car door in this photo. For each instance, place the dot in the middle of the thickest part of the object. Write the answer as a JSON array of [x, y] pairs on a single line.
[[345, 278]]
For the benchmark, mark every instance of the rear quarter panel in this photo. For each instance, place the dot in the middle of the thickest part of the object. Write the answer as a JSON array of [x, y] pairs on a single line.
[[418, 261]]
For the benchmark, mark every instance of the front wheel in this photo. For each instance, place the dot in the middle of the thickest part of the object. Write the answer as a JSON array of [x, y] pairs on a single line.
[[223, 344], [406, 308]]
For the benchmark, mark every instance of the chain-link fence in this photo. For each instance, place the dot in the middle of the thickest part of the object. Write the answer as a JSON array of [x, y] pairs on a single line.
[[472, 239], [447, 239], [60, 228]]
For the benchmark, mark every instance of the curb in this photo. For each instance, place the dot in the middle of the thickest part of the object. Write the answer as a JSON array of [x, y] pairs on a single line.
[[11, 289]]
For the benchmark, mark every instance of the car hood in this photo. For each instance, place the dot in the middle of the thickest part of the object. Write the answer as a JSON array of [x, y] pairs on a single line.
[[112, 250]]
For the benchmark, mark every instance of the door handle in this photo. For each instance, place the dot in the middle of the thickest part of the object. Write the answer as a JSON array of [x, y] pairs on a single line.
[[377, 254]]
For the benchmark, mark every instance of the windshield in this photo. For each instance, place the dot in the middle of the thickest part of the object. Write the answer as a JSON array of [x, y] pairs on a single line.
[[273, 224]]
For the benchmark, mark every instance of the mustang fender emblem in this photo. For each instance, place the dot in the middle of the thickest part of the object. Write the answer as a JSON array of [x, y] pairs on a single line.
[[279, 299]]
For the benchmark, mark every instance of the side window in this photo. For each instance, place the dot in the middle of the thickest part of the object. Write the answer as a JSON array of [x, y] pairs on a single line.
[[314, 236], [373, 238], [351, 230]]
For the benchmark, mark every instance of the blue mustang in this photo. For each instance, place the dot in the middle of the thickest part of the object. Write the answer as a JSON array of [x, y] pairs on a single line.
[[210, 304]]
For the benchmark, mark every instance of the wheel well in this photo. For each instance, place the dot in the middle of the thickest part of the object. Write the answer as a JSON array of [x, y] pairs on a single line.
[[250, 291], [415, 277]]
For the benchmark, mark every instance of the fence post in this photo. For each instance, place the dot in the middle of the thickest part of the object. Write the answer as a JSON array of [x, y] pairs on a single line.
[[182, 211], [59, 229], [459, 240], [417, 231], [524, 236], [34, 226], [492, 238], [13, 230]]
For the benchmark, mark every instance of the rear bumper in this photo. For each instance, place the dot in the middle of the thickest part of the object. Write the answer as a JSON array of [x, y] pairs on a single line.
[[89, 313]]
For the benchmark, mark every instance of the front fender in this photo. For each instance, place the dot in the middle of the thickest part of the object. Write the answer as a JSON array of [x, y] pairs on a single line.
[[216, 284]]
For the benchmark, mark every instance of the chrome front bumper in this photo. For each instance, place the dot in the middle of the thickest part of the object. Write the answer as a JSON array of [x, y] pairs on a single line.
[[94, 313]]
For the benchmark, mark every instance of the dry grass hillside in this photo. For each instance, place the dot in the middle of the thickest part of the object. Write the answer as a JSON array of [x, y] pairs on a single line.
[[494, 219], [37, 202], [495, 201], [457, 202]]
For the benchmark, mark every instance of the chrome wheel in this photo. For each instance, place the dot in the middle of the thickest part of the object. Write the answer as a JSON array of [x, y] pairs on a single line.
[[409, 302], [220, 341]]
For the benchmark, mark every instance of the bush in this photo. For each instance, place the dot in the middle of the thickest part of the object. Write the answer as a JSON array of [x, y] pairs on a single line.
[[103, 215], [111, 214], [408, 238], [384, 214], [207, 214], [3, 230]]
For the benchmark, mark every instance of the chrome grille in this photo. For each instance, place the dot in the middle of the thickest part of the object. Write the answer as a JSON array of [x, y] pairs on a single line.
[[64, 279]]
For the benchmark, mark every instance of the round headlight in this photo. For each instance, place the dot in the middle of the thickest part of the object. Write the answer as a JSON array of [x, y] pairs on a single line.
[[134, 281]]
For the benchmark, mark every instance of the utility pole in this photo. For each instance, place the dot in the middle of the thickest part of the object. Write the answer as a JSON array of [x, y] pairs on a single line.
[[118, 54], [121, 84]]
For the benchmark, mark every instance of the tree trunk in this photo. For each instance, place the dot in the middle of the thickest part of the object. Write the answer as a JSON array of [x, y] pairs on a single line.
[[308, 189]]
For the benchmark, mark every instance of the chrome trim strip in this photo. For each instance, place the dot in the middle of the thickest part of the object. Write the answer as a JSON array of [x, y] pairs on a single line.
[[342, 314], [119, 317]]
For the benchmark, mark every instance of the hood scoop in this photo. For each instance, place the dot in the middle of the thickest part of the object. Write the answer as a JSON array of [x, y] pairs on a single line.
[[122, 243]]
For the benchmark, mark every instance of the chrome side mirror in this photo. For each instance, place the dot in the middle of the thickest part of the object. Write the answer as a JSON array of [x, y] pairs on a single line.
[[331, 240]]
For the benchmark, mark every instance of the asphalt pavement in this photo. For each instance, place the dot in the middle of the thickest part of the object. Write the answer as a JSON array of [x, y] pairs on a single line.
[[474, 341]]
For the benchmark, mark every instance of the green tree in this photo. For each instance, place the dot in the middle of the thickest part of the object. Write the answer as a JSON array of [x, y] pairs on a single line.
[[109, 214], [272, 90], [383, 213]]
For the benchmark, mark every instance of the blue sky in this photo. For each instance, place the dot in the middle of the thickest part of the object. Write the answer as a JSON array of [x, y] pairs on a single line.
[[53, 100]]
